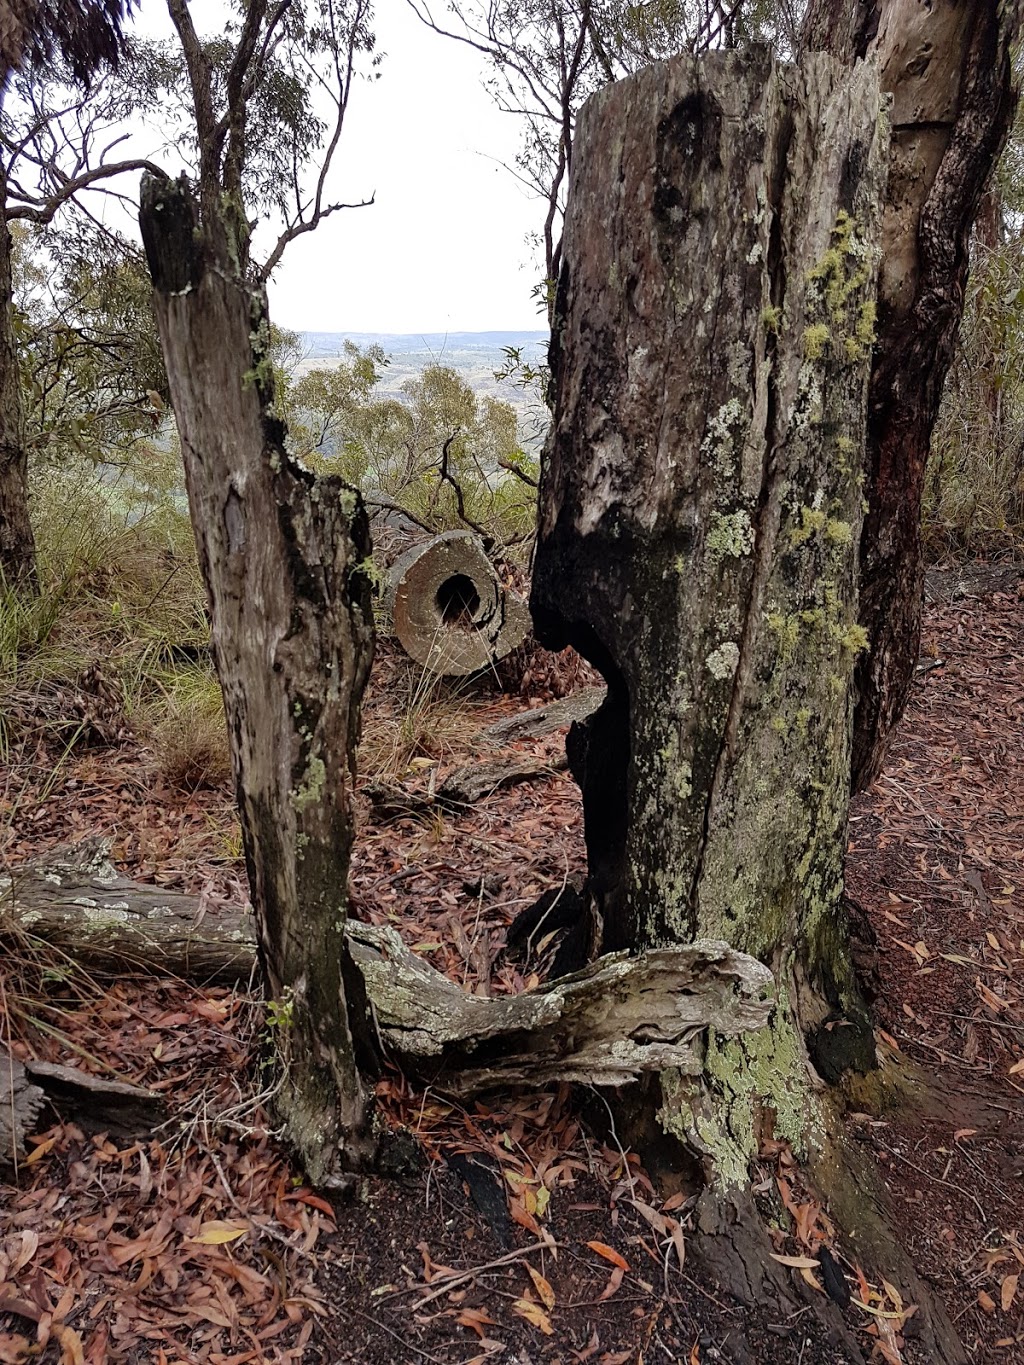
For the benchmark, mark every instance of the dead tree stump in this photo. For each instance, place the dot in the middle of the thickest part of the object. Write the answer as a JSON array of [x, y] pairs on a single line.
[[700, 512]]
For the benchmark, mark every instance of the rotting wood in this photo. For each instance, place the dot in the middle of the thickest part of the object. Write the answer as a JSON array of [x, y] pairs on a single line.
[[74, 900], [461, 788], [285, 557], [450, 611], [605, 1025]]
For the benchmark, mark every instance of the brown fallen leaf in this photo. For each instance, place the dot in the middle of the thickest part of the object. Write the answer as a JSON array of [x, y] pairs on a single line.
[[542, 1286], [986, 1302], [534, 1314], [1007, 1292], [218, 1231], [609, 1254], [797, 1262], [614, 1281], [476, 1319]]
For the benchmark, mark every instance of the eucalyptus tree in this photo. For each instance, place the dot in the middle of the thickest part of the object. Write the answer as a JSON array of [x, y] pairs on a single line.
[[59, 141], [284, 552]]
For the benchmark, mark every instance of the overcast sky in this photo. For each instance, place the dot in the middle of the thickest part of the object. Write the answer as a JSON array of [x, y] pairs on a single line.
[[443, 248]]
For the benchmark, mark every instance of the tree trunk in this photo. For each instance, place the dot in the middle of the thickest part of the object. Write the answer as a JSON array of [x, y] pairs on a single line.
[[699, 520], [17, 543], [948, 68], [283, 554], [700, 516]]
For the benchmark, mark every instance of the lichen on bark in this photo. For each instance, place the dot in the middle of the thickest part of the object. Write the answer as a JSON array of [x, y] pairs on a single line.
[[698, 534]]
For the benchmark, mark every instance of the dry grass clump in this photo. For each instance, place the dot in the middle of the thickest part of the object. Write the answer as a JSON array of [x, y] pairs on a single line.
[[188, 733]]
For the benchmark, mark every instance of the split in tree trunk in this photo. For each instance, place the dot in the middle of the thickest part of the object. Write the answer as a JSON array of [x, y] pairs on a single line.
[[947, 66], [284, 556]]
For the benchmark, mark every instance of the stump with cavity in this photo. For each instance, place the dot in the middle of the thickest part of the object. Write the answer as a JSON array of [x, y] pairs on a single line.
[[450, 610]]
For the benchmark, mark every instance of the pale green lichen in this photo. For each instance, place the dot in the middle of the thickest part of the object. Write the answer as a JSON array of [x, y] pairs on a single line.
[[311, 789], [730, 535], [722, 663], [717, 1114], [771, 319]]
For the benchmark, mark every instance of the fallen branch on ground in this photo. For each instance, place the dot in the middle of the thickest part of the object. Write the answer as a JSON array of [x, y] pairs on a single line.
[[617, 1018]]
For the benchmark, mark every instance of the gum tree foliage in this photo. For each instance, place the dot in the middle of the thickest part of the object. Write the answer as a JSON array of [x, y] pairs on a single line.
[[85, 35], [60, 145], [92, 374], [417, 453]]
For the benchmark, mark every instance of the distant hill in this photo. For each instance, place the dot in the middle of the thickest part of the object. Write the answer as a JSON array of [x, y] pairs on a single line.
[[475, 356], [438, 346]]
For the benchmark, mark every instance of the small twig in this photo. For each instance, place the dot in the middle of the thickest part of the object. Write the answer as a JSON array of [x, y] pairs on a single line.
[[519, 473], [456, 1277]]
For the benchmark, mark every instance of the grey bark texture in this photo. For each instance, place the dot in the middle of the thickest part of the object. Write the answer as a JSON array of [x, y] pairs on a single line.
[[284, 556], [700, 498], [948, 67], [606, 1025]]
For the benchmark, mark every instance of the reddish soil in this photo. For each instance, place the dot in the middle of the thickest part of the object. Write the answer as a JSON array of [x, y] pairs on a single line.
[[201, 1244]]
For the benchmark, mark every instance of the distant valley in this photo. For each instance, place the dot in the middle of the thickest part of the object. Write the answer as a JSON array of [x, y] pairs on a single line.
[[476, 356]]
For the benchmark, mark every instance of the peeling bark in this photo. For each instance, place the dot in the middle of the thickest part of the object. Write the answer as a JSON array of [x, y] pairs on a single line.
[[283, 555], [947, 66]]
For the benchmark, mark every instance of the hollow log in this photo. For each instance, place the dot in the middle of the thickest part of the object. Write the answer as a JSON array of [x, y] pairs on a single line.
[[450, 611], [605, 1025]]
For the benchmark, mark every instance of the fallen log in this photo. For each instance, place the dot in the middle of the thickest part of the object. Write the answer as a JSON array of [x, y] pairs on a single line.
[[545, 720], [461, 788], [96, 1103], [76, 901], [619, 1017], [449, 609]]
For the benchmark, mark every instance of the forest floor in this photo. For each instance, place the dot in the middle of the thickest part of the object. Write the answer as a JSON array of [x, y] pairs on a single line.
[[529, 1234]]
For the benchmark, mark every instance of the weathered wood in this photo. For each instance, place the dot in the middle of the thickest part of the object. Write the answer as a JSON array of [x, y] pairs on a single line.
[[99, 1102], [544, 720], [82, 906], [285, 559], [948, 67], [699, 517], [20, 1103], [460, 789], [449, 609], [618, 1018]]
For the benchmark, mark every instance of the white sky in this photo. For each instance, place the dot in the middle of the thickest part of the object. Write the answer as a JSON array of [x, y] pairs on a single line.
[[444, 246]]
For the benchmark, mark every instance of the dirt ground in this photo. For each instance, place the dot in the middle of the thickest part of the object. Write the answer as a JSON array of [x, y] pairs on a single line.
[[527, 1232]]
